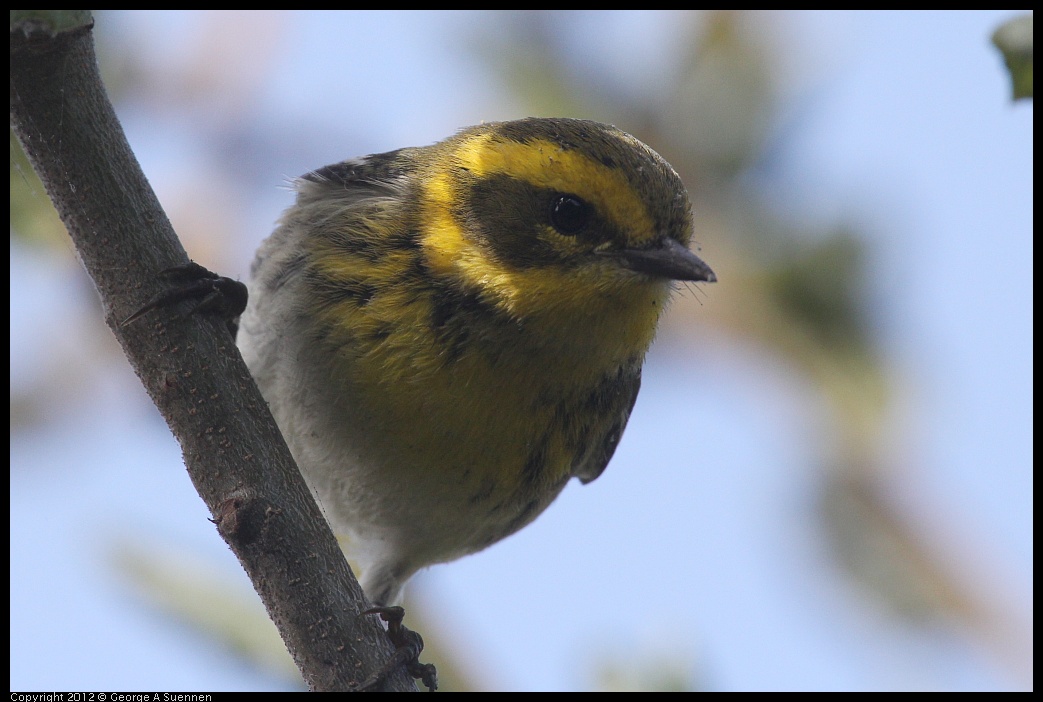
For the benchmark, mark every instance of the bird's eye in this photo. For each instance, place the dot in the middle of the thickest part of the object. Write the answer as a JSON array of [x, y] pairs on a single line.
[[569, 214]]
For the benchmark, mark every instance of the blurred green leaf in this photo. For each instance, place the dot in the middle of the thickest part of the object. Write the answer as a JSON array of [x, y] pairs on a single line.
[[1014, 40]]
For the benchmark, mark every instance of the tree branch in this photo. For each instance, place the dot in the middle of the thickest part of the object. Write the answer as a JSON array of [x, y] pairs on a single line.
[[191, 368]]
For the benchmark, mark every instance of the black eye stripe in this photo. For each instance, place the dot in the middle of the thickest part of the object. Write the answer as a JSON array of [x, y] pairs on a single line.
[[570, 214], [524, 225]]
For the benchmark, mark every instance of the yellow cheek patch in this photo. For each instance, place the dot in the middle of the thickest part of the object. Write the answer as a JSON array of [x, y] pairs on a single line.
[[444, 239], [547, 292], [546, 164]]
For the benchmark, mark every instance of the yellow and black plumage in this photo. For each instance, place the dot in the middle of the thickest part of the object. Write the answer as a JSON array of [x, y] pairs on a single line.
[[447, 334]]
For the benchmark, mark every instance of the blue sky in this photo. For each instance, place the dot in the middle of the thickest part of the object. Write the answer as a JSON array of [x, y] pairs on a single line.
[[695, 549]]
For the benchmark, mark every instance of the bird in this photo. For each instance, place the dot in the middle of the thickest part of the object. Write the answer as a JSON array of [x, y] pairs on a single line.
[[447, 334]]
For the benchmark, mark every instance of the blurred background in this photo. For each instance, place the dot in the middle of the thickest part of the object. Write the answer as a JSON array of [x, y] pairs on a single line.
[[827, 481]]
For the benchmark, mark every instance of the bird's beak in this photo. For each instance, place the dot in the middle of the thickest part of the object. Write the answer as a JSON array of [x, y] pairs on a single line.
[[670, 259]]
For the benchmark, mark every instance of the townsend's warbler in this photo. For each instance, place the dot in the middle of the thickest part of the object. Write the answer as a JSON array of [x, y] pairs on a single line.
[[447, 334]]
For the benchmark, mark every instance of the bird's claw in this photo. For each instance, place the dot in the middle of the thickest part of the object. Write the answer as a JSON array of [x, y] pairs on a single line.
[[408, 645]]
